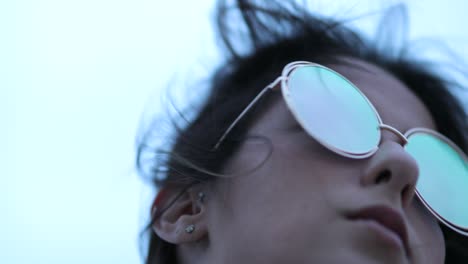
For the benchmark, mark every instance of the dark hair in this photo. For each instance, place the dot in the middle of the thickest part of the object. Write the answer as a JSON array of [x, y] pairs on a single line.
[[259, 43]]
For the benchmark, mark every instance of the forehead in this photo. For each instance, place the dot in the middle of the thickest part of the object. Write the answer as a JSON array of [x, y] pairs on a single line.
[[396, 104]]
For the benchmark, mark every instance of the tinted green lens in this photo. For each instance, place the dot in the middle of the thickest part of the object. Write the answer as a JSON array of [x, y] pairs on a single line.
[[443, 178], [333, 110]]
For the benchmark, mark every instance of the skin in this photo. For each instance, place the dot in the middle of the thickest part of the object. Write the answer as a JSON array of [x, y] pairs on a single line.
[[293, 209]]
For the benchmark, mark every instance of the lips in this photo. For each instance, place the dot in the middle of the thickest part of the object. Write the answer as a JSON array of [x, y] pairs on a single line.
[[385, 216]]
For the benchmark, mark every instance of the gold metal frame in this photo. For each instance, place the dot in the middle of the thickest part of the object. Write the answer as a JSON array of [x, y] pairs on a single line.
[[283, 80]]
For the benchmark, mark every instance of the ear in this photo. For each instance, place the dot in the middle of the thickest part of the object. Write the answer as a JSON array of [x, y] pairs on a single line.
[[187, 210]]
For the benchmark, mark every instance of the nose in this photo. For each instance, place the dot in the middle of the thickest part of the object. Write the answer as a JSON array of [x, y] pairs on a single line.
[[392, 170]]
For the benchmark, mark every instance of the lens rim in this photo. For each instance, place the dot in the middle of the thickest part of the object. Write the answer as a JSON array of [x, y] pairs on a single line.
[[287, 72], [460, 229]]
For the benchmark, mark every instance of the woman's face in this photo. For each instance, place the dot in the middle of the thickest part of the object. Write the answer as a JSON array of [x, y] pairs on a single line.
[[297, 207]]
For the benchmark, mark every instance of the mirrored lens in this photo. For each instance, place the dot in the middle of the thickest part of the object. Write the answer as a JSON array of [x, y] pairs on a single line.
[[443, 178], [333, 110]]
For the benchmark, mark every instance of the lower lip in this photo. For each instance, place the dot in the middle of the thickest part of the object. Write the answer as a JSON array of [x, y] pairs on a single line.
[[383, 233]]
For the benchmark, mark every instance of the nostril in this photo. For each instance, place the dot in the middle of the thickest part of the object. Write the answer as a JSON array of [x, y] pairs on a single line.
[[383, 176], [407, 193]]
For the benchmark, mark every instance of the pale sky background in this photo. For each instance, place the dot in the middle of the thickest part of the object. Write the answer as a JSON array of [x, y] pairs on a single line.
[[75, 77]]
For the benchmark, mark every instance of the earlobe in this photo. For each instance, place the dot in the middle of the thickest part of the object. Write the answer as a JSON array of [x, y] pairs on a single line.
[[182, 222]]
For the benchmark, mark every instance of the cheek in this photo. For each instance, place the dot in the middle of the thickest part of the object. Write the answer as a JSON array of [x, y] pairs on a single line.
[[274, 205], [426, 238]]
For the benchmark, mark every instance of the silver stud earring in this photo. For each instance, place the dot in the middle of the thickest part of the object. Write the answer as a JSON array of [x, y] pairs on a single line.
[[201, 197], [190, 228]]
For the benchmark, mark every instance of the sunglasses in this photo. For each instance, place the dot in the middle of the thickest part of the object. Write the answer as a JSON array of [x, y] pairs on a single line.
[[353, 129]]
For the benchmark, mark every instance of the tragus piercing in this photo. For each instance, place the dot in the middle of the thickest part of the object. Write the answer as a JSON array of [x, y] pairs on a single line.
[[189, 229]]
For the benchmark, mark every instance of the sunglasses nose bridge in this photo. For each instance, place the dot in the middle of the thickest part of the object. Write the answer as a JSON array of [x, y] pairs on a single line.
[[395, 131]]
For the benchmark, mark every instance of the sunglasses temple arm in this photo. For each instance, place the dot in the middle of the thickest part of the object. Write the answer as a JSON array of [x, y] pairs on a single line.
[[264, 91]]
